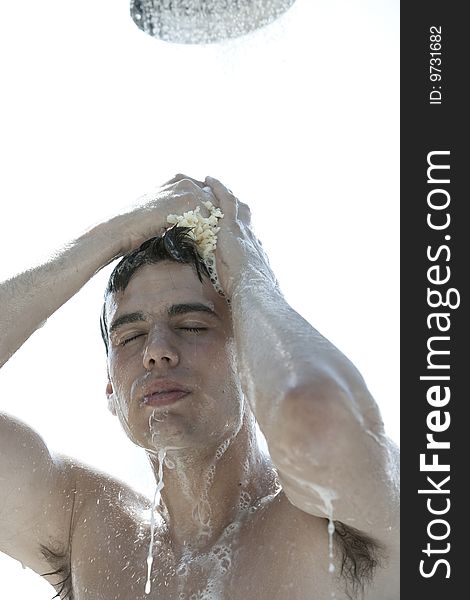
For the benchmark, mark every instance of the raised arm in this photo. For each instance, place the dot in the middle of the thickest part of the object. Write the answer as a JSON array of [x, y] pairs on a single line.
[[323, 428], [37, 489], [30, 298]]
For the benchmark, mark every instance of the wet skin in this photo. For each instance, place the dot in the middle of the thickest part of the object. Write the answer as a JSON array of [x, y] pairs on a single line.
[[194, 349], [226, 526]]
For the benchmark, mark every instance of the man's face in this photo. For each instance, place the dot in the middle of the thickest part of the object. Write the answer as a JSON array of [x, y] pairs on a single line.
[[168, 331]]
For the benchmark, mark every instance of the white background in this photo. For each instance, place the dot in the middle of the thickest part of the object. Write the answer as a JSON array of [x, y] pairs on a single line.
[[300, 120]]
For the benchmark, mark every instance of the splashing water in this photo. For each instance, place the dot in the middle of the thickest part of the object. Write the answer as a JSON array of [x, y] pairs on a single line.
[[156, 500]]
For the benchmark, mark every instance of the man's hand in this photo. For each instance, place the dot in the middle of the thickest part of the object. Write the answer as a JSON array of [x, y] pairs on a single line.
[[147, 217], [239, 254]]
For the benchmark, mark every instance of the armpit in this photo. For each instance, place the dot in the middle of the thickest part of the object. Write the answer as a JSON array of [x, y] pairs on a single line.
[[60, 575], [359, 556]]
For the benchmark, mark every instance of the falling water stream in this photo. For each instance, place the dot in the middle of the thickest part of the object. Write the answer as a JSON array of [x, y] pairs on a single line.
[[327, 496], [156, 501], [331, 530]]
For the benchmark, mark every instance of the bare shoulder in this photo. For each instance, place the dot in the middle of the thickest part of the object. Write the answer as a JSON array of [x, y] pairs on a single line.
[[102, 498], [100, 501], [365, 567]]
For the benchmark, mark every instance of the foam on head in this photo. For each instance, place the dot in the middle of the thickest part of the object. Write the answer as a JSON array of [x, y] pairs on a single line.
[[203, 230]]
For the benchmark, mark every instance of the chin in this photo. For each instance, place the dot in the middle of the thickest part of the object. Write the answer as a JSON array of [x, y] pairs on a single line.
[[174, 432]]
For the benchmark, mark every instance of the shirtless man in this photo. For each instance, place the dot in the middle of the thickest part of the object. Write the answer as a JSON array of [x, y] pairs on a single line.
[[188, 376]]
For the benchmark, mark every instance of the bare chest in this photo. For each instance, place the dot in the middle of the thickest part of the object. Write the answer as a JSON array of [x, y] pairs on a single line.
[[261, 557]]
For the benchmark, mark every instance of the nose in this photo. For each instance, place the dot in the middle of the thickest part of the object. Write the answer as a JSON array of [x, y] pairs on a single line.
[[160, 352]]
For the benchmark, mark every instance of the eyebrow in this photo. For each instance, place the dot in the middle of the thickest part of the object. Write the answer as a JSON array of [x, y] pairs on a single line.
[[127, 318], [174, 310], [181, 309]]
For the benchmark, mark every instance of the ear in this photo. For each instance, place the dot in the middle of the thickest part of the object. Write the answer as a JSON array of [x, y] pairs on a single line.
[[110, 396]]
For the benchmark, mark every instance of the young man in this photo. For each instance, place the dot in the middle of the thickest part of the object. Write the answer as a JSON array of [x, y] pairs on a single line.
[[189, 374]]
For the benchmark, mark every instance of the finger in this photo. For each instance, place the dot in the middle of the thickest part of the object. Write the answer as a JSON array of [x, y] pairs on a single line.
[[228, 202], [180, 177], [225, 199], [218, 186], [184, 186], [244, 213]]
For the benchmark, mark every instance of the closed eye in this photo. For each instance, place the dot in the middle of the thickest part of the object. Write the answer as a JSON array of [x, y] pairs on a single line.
[[194, 329], [126, 341]]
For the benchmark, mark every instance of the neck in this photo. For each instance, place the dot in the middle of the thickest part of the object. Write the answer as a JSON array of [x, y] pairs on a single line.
[[206, 490]]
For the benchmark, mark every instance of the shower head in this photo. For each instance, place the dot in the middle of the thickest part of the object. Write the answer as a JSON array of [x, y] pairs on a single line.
[[204, 21]]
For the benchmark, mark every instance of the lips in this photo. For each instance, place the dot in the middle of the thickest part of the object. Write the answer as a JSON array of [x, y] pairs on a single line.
[[164, 391]]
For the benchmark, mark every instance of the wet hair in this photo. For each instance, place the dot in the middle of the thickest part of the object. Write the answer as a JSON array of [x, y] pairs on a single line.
[[175, 245], [360, 556]]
